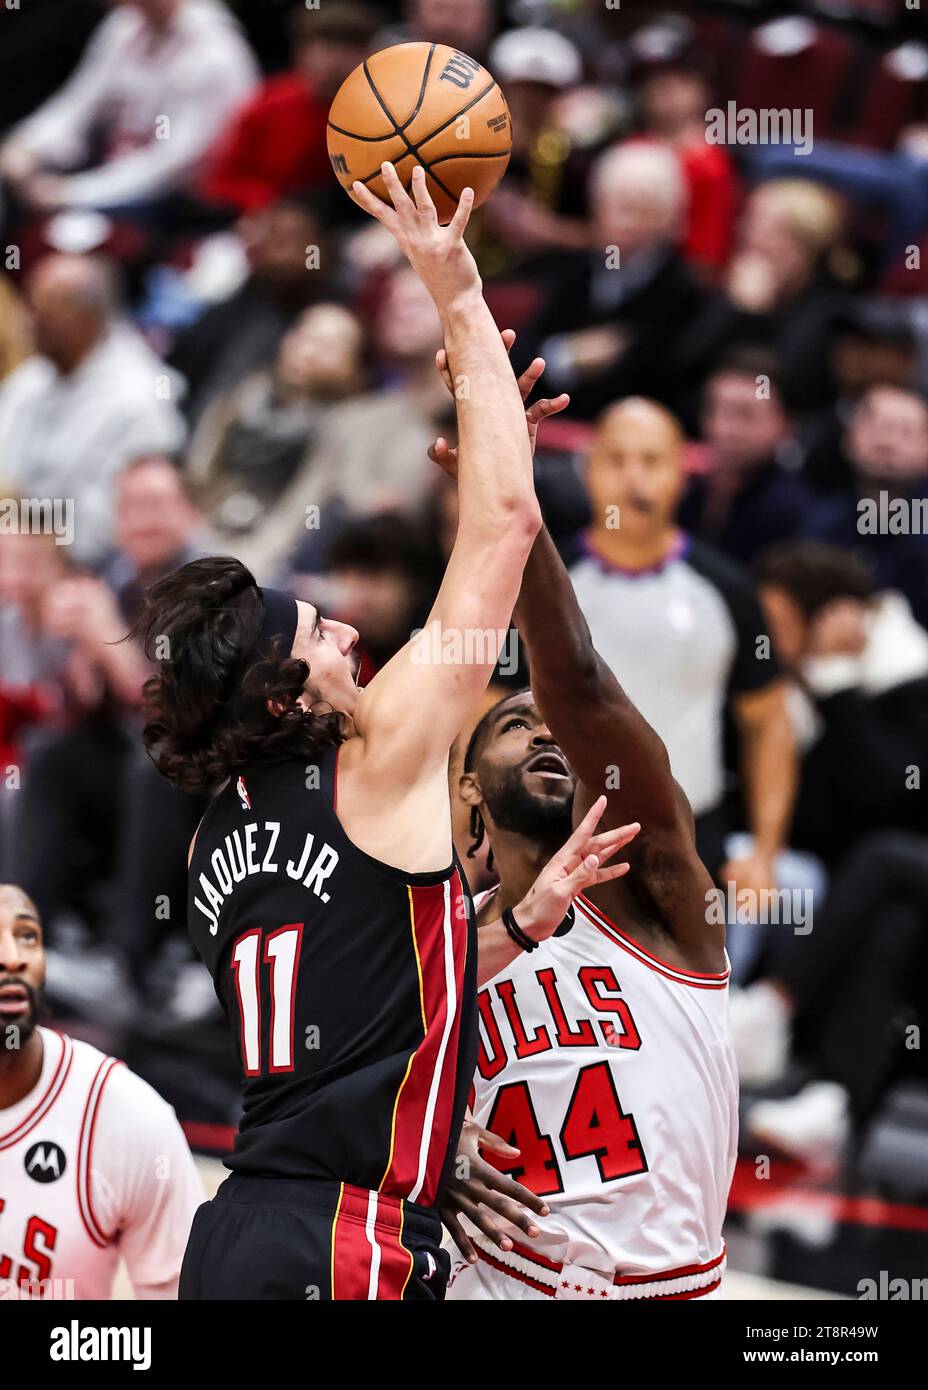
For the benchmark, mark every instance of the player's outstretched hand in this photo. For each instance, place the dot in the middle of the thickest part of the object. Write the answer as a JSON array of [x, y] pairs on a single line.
[[478, 1190], [442, 453], [439, 255], [576, 867]]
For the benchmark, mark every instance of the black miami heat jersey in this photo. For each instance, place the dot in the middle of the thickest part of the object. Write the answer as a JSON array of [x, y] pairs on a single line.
[[349, 984]]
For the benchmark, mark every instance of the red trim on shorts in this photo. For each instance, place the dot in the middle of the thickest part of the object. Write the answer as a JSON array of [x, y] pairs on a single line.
[[517, 1274]]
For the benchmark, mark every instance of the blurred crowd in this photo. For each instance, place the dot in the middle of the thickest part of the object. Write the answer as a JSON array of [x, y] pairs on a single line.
[[205, 346]]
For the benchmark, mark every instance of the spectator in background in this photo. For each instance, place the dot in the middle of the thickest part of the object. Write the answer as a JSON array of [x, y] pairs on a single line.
[[92, 397], [873, 343], [860, 975], [465, 24], [252, 439], [542, 204], [858, 699], [372, 452], [292, 263], [184, 60], [747, 497], [71, 818], [276, 146], [31, 661], [894, 183], [157, 528], [382, 579], [681, 625], [882, 518], [779, 289], [606, 325], [674, 97]]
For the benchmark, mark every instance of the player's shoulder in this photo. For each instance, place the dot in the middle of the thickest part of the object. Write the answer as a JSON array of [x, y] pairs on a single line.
[[107, 1076]]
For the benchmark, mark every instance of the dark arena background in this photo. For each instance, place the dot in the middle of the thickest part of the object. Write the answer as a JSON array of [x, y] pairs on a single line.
[[206, 347]]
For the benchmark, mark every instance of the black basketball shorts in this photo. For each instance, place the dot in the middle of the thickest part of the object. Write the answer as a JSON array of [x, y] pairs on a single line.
[[277, 1238]]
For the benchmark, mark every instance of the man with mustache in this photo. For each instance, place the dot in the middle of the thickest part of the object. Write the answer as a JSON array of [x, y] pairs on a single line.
[[605, 1081], [94, 1167]]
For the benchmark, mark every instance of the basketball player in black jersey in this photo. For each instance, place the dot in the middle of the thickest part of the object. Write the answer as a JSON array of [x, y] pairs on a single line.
[[323, 894]]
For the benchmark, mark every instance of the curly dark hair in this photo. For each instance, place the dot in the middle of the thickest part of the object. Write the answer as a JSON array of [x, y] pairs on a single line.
[[208, 710]]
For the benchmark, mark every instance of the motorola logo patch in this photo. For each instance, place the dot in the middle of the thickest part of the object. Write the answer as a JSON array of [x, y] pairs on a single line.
[[45, 1162]]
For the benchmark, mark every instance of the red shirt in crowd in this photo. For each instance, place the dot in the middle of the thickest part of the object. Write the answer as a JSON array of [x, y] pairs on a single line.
[[276, 145]]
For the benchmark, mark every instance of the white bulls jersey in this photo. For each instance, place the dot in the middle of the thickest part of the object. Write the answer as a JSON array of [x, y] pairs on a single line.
[[613, 1074], [93, 1166]]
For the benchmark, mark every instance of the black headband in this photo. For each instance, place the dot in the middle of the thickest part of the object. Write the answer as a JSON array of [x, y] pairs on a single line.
[[279, 621]]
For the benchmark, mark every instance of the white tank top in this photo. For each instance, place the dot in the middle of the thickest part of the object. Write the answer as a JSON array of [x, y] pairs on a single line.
[[613, 1073], [93, 1166]]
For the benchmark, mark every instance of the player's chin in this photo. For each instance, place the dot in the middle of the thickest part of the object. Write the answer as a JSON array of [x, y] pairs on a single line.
[[24, 1022]]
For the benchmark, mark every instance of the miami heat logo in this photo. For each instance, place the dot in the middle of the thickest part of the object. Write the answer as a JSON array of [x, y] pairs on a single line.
[[243, 796]]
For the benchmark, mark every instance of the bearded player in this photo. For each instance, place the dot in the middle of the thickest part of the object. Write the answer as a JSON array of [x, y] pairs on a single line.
[[604, 1064], [94, 1167]]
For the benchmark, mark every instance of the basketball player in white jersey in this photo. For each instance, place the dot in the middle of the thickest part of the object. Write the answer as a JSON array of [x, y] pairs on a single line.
[[93, 1164], [604, 1052]]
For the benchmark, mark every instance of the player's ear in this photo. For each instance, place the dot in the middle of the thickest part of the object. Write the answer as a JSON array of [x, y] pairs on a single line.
[[469, 789]]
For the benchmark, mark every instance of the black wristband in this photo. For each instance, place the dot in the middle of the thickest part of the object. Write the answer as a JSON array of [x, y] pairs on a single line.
[[524, 942]]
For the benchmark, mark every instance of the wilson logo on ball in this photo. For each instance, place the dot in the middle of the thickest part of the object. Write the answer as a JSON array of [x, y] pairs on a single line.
[[460, 70]]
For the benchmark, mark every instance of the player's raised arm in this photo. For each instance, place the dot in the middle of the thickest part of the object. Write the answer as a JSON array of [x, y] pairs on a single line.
[[413, 709]]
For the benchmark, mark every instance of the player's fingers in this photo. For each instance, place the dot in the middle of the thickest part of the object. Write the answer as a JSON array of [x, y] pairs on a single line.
[[614, 871], [462, 212], [444, 371], [545, 407], [460, 1237], [583, 833], [583, 874], [510, 1210], [398, 195], [491, 1179], [486, 1139], [365, 199], [529, 378], [612, 840], [421, 196], [508, 336], [482, 1218]]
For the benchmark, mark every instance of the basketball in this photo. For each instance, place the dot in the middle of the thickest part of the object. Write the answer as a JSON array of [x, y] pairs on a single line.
[[421, 103]]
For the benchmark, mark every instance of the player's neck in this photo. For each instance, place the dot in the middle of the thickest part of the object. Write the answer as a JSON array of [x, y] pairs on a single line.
[[20, 1069], [518, 862], [633, 552]]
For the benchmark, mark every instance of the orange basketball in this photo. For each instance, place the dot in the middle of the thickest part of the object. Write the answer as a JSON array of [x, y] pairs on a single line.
[[421, 103]]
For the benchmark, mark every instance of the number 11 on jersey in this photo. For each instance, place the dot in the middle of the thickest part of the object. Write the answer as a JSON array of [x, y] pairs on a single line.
[[282, 955]]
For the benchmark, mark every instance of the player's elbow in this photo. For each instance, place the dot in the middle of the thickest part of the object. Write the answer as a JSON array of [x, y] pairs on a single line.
[[512, 517]]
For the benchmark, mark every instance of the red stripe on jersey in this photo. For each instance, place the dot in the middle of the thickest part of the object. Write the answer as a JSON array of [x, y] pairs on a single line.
[[694, 979], [85, 1153], [51, 1093], [425, 1101]]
